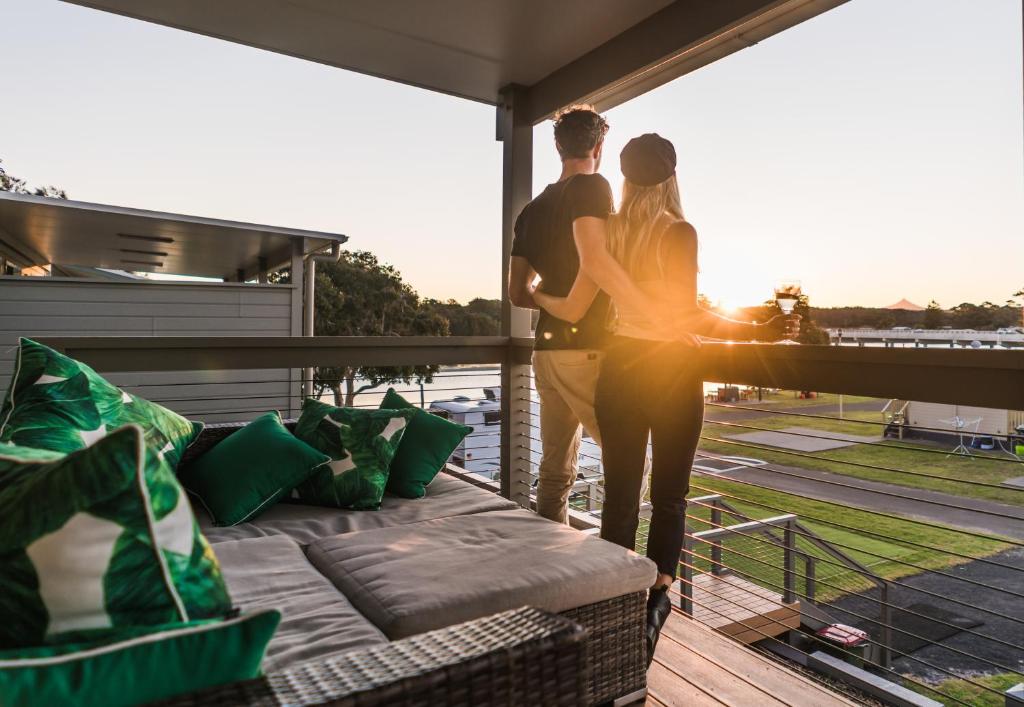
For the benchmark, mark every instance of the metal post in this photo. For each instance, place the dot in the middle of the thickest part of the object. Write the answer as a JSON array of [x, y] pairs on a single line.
[[686, 596], [788, 572], [885, 656], [716, 547], [810, 567], [515, 131]]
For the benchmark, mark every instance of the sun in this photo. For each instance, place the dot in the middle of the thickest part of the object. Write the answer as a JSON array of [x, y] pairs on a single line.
[[727, 307]]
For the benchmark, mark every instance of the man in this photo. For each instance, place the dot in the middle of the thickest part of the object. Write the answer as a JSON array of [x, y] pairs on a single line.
[[564, 221]]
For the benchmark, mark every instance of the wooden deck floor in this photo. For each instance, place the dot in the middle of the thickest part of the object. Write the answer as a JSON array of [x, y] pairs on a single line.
[[696, 666], [742, 609]]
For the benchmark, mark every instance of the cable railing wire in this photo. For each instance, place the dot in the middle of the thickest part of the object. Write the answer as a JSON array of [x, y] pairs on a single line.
[[862, 659], [459, 374], [776, 639], [824, 582], [833, 418], [285, 394], [892, 582], [877, 621], [893, 559], [916, 521], [747, 445], [864, 465]]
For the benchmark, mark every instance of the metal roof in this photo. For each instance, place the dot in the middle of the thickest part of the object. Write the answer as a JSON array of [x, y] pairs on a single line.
[[38, 230], [563, 51]]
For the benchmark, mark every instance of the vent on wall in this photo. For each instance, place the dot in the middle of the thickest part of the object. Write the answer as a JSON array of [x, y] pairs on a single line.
[[157, 253], [151, 239], [142, 262]]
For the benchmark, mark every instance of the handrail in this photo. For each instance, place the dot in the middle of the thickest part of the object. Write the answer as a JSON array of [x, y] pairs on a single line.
[[716, 533], [182, 353], [965, 377]]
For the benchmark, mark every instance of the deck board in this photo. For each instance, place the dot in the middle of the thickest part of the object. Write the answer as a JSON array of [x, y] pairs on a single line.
[[696, 665], [668, 689], [742, 609]]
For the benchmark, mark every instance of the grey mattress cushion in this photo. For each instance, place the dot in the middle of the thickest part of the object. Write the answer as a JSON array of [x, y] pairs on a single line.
[[436, 573], [446, 496], [316, 619]]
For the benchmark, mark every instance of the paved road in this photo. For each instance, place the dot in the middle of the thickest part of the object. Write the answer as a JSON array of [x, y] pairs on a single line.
[[969, 513], [984, 652]]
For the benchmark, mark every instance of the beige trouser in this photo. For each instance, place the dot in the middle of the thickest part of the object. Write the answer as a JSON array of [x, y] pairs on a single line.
[[566, 381]]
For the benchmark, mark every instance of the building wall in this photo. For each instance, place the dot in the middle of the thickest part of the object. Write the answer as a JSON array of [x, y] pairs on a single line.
[[936, 415], [51, 307]]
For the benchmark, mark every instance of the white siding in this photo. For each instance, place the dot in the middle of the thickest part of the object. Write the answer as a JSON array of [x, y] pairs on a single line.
[[45, 307], [993, 422]]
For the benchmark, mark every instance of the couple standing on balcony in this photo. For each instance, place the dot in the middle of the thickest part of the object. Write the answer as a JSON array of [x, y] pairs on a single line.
[[616, 337]]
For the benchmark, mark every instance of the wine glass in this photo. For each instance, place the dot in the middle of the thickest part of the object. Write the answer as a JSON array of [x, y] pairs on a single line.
[[787, 294]]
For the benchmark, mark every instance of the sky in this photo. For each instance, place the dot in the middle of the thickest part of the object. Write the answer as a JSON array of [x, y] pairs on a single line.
[[874, 152]]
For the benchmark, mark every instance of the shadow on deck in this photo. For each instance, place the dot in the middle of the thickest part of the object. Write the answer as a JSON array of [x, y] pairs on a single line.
[[740, 609], [695, 665]]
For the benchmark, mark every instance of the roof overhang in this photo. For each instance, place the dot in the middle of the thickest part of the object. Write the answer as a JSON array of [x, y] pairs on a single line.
[[38, 230], [604, 51]]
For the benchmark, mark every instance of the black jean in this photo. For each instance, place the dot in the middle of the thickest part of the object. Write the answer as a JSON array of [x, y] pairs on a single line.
[[648, 388]]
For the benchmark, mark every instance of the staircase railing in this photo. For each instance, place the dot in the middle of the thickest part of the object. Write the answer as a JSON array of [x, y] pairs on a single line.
[[780, 531]]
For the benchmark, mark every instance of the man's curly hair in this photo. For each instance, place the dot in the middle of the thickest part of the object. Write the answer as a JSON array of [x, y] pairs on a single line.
[[578, 129]]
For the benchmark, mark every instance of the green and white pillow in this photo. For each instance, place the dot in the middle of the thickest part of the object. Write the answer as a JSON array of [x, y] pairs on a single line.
[[58, 403], [84, 550], [138, 665], [361, 444]]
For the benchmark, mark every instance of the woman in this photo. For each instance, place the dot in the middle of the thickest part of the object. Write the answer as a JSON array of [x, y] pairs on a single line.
[[648, 384]]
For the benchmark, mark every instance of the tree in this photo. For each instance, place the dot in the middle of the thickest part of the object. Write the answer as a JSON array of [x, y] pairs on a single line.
[[934, 317], [481, 317], [16, 185], [360, 296]]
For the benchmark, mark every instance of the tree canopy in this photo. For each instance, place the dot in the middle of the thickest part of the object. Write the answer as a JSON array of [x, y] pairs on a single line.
[[360, 296], [16, 185]]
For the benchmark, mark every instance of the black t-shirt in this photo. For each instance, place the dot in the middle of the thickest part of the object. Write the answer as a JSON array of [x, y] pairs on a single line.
[[543, 235]]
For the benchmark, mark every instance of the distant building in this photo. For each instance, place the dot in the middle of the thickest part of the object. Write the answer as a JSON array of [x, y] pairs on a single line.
[[906, 305]]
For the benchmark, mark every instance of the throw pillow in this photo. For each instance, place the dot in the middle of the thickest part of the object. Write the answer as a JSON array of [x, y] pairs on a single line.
[[139, 665], [82, 550], [424, 449], [58, 403], [250, 470], [361, 444]]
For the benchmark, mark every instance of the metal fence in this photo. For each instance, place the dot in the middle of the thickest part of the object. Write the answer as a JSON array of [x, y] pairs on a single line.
[[836, 521]]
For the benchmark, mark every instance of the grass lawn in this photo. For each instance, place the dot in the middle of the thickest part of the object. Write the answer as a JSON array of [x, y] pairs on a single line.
[[762, 561], [954, 471], [787, 399], [972, 694]]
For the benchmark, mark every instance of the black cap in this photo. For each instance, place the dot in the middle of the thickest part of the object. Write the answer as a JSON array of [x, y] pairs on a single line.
[[648, 160]]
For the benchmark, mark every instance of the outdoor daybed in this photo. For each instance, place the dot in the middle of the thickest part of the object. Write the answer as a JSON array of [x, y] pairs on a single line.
[[366, 597]]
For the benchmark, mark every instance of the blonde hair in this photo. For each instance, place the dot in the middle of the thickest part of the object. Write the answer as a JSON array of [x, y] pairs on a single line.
[[634, 233]]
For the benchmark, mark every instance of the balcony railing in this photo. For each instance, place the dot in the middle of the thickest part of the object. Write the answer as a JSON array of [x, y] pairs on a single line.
[[923, 550]]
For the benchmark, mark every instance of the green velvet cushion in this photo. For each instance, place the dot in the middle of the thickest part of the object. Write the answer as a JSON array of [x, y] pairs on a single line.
[[140, 665], [361, 444], [58, 403], [250, 470], [84, 552], [424, 449]]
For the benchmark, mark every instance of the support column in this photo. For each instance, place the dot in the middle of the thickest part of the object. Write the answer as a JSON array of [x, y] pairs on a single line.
[[515, 131]]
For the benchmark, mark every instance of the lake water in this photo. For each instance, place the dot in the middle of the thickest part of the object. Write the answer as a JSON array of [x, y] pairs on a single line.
[[450, 381]]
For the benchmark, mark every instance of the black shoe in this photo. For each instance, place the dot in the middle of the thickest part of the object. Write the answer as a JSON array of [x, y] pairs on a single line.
[[658, 608]]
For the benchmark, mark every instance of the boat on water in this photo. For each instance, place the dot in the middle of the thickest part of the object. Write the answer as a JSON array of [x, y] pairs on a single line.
[[480, 451]]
